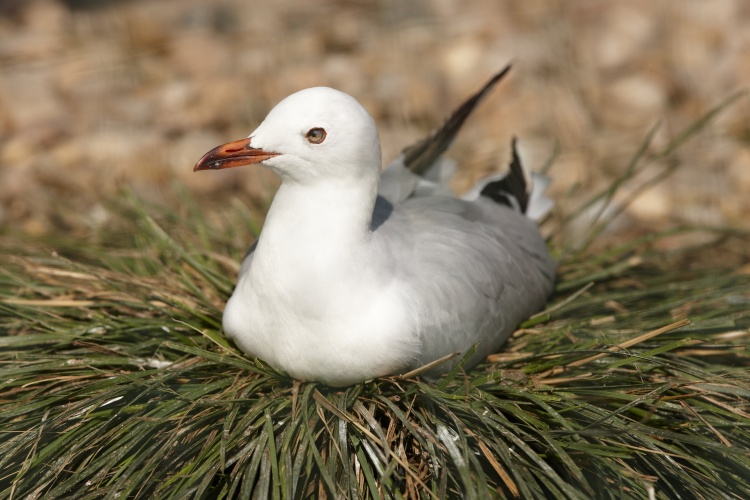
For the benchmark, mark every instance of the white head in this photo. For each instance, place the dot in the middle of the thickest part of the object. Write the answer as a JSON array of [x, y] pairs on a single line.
[[315, 134]]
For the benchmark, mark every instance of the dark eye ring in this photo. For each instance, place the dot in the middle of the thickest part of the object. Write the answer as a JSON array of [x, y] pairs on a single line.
[[316, 135]]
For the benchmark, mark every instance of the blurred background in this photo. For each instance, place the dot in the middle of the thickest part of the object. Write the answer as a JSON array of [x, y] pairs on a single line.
[[98, 95]]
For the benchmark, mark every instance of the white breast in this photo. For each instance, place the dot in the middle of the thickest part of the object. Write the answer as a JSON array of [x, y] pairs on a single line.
[[338, 333]]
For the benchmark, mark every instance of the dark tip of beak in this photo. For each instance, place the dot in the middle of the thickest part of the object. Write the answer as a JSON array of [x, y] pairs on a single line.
[[232, 154]]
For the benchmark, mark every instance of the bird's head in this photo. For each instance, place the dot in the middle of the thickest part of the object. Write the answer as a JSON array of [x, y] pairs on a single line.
[[315, 134]]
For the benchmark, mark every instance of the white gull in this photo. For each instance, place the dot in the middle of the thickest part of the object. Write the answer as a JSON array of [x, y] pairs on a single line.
[[358, 274]]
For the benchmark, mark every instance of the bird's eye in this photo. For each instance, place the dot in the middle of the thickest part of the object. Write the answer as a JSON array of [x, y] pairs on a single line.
[[316, 135]]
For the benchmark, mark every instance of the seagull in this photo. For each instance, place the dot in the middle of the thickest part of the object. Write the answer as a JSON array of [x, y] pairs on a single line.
[[359, 274]]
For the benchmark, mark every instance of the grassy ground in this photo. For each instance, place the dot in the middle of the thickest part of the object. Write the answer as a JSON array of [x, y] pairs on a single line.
[[115, 381]]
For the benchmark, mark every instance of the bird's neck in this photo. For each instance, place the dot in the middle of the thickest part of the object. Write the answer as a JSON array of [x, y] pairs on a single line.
[[320, 226]]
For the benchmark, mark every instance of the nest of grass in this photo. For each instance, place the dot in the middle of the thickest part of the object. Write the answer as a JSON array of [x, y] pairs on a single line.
[[115, 381]]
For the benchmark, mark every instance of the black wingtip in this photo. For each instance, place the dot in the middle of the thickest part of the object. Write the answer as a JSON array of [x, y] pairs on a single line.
[[499, 76], [421, 156], [512, 187]]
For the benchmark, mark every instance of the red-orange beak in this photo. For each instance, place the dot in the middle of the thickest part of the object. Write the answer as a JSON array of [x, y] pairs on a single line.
[[232, 154]]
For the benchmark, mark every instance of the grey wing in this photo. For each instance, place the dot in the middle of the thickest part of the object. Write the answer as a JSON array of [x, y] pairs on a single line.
[[476, 270], [398, 183]]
